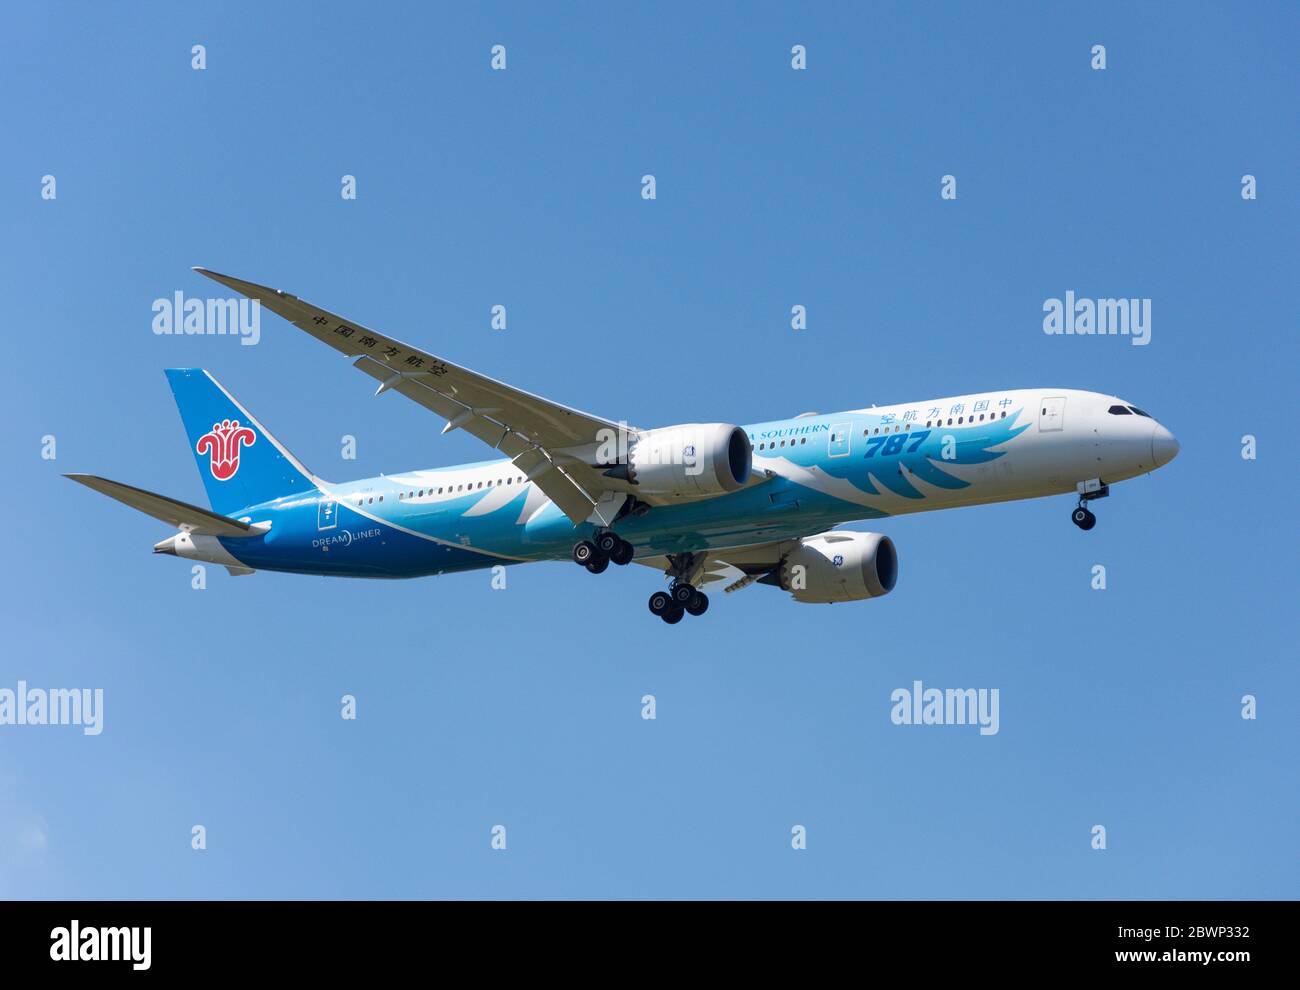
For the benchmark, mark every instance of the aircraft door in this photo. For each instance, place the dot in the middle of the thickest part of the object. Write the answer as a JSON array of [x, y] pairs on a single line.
[[327, 514], [1051, 414], [839, 439]]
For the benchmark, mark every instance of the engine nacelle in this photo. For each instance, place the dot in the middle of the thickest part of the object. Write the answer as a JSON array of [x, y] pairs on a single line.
[[693, 459], [840, 567]]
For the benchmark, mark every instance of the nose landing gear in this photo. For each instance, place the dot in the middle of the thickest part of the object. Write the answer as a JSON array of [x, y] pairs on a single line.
[[1088, 491]]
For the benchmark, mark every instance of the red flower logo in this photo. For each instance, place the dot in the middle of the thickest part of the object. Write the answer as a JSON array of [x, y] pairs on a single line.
[[222, 445]]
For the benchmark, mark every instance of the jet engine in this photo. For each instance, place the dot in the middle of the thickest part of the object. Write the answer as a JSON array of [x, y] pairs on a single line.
[[692, 460], [840, 567]]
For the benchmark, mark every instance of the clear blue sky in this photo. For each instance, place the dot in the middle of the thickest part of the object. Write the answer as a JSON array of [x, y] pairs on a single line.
[[522, 707]]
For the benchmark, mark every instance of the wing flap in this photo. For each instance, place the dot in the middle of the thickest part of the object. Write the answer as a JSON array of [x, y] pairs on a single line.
[[557, 483]]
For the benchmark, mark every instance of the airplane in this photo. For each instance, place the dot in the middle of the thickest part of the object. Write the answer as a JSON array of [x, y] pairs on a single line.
[[704, 503]]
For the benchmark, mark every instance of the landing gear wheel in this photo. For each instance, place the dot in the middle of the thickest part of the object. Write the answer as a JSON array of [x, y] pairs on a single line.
[[683, 593], [583, 552], [661, 602], [699, 604], [622, 553], [597, 564], [607, 543], [673, 616], [1083, 518]]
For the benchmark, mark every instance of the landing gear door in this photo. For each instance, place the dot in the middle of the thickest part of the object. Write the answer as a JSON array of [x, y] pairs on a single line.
[[1051, 414]]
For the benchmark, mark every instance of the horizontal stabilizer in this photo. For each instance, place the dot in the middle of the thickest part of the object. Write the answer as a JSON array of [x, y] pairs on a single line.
[[182, 515]]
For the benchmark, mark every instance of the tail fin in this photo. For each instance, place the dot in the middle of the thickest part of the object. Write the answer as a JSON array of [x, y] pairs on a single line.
[[240, 463]]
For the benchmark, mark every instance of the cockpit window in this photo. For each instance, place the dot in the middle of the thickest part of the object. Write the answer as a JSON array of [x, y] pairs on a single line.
[[1118, 410], [1139, 412]]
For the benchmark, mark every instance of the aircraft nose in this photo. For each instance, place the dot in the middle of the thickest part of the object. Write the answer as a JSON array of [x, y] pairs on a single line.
[[1164, 446]]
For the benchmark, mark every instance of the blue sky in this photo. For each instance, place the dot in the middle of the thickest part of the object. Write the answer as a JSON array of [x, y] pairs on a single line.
[[522, 707]]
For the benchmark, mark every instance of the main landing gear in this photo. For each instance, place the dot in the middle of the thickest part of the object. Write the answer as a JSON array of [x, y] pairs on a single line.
[[1088, 491], [677, 601], [597, 553], [682, 598]]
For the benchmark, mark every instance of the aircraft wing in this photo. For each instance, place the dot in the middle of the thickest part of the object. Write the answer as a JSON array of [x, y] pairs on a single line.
[[738, 567], [530, 430], [180, 514]]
